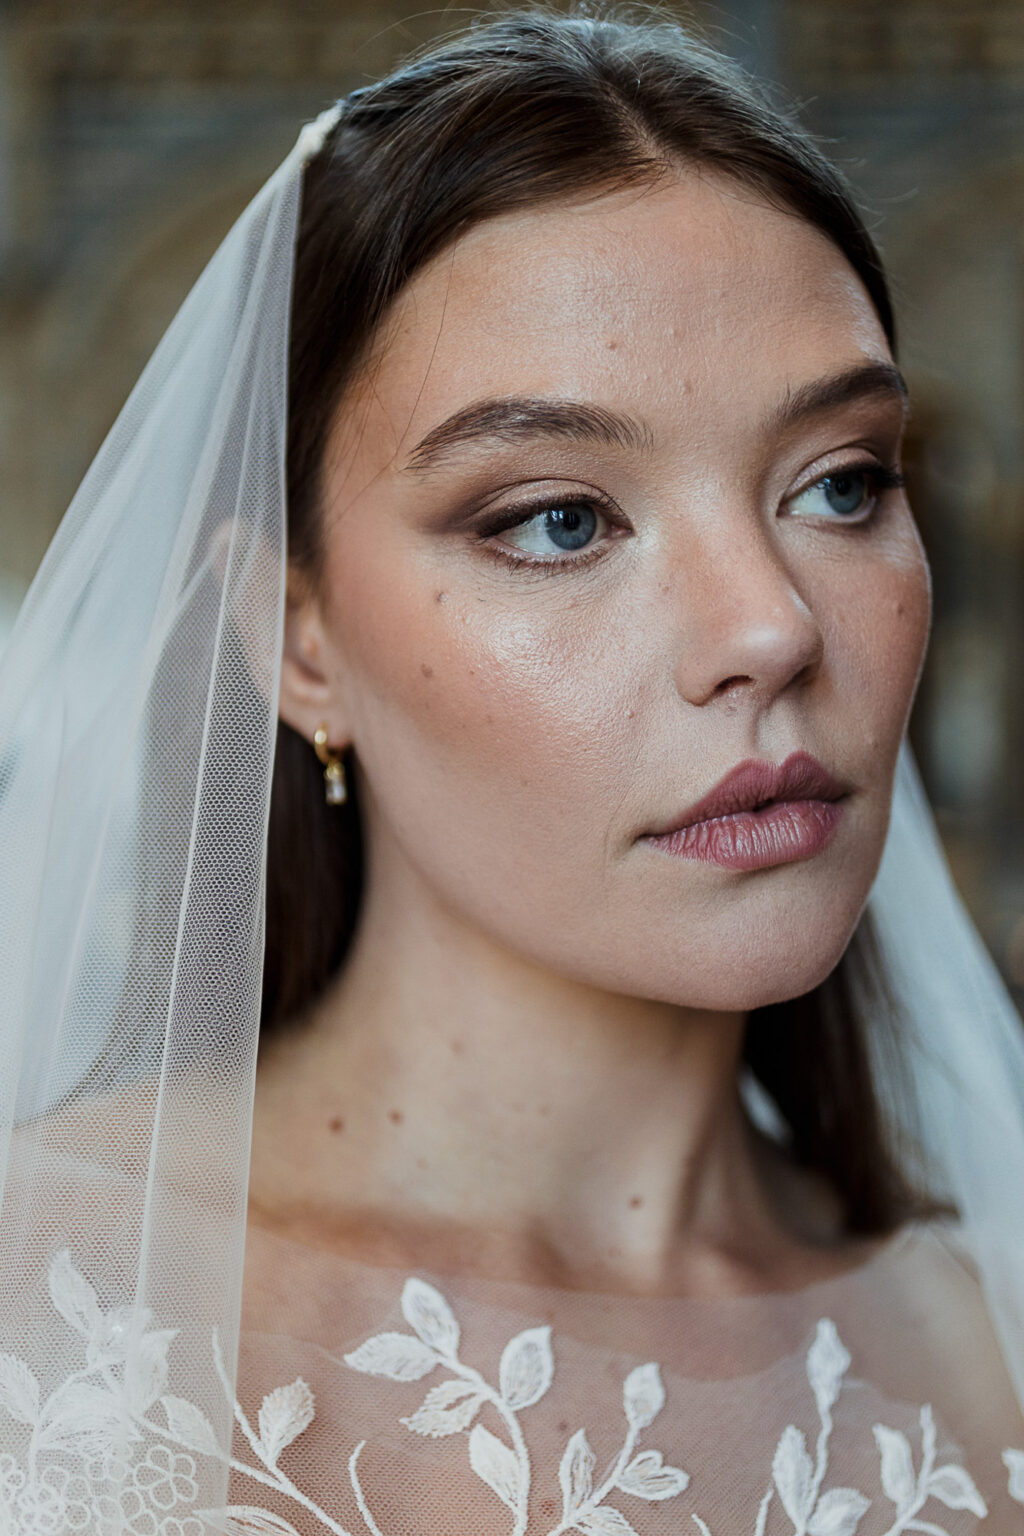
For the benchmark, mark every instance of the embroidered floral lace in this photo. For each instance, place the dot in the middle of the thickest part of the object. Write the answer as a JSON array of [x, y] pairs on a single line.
[[420, 1427]]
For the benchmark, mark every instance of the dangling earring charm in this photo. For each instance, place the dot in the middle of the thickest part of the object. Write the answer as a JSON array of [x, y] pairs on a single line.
[[335, 788]]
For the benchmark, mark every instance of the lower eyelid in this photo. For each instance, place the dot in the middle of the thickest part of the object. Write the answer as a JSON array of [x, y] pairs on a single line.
[[503, 554]]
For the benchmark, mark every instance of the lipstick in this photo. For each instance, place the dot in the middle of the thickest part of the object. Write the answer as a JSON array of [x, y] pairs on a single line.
[[759, 815]]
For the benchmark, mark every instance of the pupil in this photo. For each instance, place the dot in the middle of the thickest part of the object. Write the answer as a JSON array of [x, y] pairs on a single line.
[[570, 527], [845, 493]]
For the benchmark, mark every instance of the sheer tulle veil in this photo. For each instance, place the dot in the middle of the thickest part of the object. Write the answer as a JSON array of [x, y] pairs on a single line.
[[138, 708]]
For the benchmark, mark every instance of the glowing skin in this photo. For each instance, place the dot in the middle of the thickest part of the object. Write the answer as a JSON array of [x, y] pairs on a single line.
[[517, 730]]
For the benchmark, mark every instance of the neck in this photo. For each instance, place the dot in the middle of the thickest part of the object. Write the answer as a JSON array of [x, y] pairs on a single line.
[[498, 1115]]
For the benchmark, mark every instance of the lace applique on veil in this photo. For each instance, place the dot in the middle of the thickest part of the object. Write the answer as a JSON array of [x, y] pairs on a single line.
[[112, 1450]]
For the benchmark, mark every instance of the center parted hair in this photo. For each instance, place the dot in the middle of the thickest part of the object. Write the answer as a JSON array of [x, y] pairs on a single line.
[[528, 108]]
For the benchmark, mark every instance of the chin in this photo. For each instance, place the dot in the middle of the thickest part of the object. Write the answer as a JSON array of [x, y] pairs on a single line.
[[736, 970]]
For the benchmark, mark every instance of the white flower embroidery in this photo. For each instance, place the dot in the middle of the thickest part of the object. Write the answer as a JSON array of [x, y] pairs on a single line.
[[525, 1373], [134, 1445]]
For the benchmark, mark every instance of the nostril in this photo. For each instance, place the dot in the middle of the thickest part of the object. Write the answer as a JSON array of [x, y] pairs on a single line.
[[729, 683]]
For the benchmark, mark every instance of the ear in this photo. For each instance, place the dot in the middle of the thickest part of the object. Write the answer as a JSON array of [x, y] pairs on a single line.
[[309, 696]]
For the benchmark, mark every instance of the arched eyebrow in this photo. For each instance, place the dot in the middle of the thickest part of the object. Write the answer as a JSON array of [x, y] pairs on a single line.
[[861, 382], [524, 418]]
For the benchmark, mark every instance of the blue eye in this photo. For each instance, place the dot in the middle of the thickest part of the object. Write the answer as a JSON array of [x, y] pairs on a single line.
[[848, 493], [559, 529]]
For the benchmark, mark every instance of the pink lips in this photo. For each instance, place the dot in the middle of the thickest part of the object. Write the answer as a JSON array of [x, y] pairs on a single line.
[[759, 815]]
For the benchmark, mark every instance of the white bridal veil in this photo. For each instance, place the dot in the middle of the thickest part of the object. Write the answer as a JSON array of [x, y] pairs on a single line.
[[138, 704]]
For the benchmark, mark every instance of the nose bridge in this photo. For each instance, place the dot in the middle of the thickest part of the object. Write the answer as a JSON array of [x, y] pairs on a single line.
[[745, 623]]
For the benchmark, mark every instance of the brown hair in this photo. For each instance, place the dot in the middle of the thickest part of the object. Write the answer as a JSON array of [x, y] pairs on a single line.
[[526, 108]]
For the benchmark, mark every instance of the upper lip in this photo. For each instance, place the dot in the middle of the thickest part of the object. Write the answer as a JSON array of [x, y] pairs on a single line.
[[754, 783]]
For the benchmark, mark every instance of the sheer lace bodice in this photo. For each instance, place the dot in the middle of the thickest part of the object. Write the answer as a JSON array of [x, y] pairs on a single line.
[[483, 1407]]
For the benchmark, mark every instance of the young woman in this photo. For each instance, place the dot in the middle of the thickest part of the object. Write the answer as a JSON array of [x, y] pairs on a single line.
[[626, 1154]]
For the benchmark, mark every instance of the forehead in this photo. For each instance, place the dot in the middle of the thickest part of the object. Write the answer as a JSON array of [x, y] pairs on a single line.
[[693, 286]]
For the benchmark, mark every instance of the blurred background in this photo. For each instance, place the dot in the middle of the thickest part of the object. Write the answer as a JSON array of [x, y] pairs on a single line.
[[133, 131]]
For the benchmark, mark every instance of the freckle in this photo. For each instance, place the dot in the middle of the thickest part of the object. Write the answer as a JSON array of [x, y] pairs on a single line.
[[635, 1202], [427, 671], [563, 1426], [544, 1110], [421, 1162], [458, 1048], [336, 1123], [395, 1116]]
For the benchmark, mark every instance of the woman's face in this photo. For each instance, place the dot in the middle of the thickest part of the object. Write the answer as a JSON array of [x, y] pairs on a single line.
[[584, 556]]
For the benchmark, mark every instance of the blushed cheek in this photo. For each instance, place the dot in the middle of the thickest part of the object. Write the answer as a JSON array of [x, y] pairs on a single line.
[[911, 607], [889, 613], [438, 673], [497, 722]]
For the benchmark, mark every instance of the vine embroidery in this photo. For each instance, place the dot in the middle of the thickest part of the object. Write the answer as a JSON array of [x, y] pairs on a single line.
[[134, 1444]]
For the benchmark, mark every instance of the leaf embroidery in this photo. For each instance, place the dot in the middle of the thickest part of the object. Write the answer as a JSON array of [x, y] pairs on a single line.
[[427, 1312], [446, 1410], [605, 1522], [838, 1513], [827, 1363], [648, 1478], [284, 1414], [395, 1355], [793, 1475], [527, 1368], [100, 1418], [643, 1396], [898, 1478], [1014, 1463], [19, 1390], [190, 1426], [492, 1460], [576, 1474]]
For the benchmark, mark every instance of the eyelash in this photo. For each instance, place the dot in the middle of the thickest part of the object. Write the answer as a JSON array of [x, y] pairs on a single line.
[[512, 517], [881, 477]]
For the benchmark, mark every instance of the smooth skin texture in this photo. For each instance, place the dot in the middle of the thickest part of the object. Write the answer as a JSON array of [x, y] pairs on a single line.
[[528, 1064]]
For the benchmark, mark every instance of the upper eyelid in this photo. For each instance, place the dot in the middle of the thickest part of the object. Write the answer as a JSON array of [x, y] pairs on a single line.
[[501, 519], [850, 456]]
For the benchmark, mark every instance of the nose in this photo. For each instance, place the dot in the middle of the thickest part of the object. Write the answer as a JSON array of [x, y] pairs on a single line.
[[747, 629]]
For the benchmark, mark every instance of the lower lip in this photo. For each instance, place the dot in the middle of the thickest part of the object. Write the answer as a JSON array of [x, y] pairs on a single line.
[[783, 833]]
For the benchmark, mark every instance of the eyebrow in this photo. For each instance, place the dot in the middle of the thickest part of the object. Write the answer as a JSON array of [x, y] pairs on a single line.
[[522, 418], [861, 382]]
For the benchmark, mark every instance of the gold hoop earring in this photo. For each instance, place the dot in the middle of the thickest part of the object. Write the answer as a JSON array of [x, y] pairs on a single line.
[[335, 787]]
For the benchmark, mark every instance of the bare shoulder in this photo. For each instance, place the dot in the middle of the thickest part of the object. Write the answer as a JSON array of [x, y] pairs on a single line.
[[191, 1129], [112, 1129], [946, 1312]]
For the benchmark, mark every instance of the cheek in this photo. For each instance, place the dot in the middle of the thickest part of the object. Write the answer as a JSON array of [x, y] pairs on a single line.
[[486, 709], [876, 613]]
